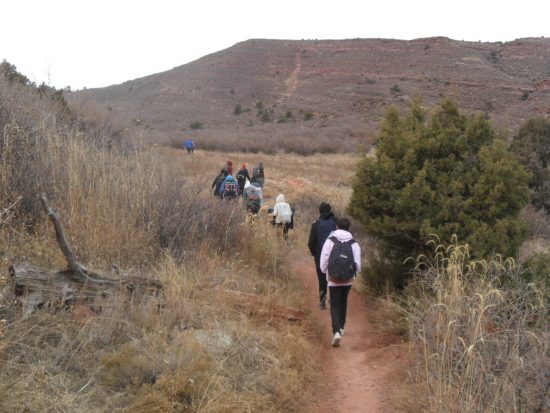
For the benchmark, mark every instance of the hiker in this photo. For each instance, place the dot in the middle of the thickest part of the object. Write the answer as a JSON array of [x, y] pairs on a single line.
[[218, 180], [242, 177], [252, 198], [340, 261], [190, 146], [282, 215], [229, 167], [229, 189], [320, 231], [258, 174]]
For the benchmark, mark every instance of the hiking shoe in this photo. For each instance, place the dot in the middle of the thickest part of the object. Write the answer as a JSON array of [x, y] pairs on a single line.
[[336, 340], [323, 305], [342, 332]]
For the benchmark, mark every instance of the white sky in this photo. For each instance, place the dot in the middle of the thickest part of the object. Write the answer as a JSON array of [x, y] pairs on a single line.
[[94, 43]]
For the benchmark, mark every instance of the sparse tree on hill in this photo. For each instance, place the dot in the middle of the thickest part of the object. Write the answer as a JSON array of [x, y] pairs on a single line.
[[449, 175]]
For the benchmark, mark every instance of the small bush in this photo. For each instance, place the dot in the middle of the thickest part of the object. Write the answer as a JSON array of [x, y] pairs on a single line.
[[532, 146], [265, 115], [238, 110], [196, 125]]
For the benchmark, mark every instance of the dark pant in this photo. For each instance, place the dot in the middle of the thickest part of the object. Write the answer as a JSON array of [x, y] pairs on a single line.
[[284, 228], [322, 279], [338, 306]]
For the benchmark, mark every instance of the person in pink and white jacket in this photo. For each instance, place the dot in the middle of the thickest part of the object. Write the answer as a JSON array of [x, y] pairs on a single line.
[[340, 269]]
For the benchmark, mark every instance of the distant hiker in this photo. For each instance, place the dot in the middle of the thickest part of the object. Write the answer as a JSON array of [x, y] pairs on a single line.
[[320, 231], [340, 261], [229, 167], [252, 197], [242, 176], [282, 215], [190, 146], [218, 180], [258, 174], [229, 189]]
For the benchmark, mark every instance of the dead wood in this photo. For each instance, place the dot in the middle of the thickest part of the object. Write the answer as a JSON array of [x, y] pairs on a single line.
[[36, 287], [68, 252]]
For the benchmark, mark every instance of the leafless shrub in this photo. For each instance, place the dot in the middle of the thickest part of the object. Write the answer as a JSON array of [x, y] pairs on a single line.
[[537, 219]]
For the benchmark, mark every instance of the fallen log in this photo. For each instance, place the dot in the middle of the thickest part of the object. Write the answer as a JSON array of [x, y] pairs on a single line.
[[36, 287]]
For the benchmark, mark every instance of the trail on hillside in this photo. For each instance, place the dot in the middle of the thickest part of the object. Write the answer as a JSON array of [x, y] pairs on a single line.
[[360, 374], [292, 81]]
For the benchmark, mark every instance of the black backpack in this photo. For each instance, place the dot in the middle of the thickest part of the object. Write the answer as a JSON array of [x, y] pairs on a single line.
[[253, 207], [241, 175], [256, 172], [341, 265]]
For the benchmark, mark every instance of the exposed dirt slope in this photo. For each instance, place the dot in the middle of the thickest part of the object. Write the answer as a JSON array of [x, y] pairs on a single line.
[[345, 84]]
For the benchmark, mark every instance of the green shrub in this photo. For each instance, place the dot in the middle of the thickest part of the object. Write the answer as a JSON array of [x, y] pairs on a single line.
[[451, 175], [395, 90], [308, 115], [532, 146], [238, 110], [538, 270], [265, 115], [196, 125]]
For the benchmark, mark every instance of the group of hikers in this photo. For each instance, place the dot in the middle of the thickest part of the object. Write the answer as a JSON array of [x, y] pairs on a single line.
[[337, 255], [230, 187], [337, 261]]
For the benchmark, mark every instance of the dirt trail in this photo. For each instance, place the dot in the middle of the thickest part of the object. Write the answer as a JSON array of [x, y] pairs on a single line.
[[292, 81], [360, 374]]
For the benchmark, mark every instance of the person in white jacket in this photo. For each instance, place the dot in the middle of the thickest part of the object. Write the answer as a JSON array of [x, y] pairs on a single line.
[[339, 288], [282, 214]]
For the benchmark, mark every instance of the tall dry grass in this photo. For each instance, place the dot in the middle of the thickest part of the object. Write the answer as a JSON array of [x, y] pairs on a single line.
[[481, 333], [202, 346]]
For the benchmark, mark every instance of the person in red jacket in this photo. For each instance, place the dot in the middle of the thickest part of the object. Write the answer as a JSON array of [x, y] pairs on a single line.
[[229, 167]]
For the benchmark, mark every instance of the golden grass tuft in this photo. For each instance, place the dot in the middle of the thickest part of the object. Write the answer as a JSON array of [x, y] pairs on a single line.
[[481, 333]]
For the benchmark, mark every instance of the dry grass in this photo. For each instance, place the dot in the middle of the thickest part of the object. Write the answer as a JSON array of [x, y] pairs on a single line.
[[481, 334], [146, 210]]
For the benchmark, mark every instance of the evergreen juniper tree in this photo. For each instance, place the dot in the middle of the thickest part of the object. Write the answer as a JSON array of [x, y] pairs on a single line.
[[532, 146], [450, 175]]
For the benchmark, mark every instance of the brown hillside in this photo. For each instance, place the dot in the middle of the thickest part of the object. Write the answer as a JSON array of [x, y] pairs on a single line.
[[345, 84]]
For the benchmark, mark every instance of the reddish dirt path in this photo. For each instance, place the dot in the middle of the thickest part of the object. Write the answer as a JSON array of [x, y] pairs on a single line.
[[361, 373], [292, 81]]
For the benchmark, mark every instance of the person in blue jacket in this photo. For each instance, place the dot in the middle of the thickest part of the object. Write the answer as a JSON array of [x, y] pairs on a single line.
[[190, 146]]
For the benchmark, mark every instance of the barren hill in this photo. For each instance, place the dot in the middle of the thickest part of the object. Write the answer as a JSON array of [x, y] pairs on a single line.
[[335, 90]]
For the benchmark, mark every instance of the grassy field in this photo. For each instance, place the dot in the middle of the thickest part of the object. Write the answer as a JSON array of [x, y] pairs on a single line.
[[218, 340]]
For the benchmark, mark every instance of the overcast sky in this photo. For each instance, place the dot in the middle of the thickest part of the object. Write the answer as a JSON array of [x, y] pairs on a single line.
[[94, 43]]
